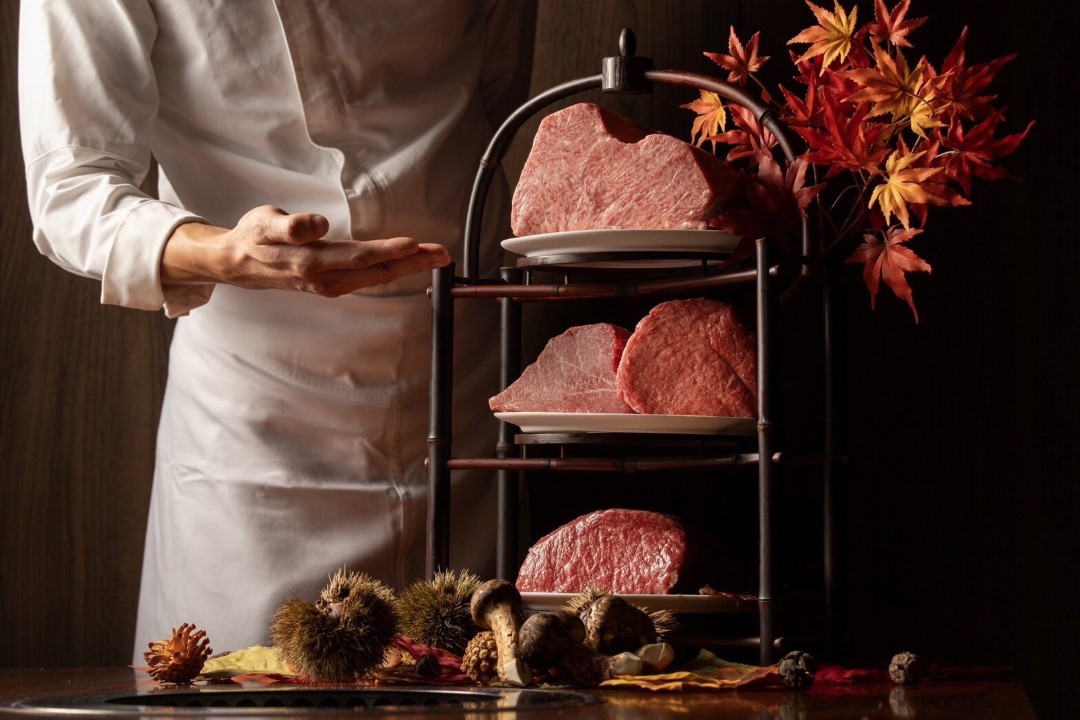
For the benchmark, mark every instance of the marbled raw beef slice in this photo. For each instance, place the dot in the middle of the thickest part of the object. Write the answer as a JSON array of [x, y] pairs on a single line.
[[623, 551], [690, 357], [590, 169], [574, 373]]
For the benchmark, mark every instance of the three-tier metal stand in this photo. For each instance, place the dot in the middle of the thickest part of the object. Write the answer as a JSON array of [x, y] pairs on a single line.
[[624, 74]]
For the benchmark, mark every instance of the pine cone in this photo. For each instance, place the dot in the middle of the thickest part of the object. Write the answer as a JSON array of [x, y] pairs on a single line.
[[481, 659], [179, 658]]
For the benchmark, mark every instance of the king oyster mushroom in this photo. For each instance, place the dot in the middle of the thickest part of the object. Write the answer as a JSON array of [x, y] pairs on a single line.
[[496, 605]]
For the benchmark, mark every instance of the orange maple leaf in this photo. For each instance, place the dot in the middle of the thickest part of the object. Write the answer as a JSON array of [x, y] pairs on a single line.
[[903, 185], [831, 37], [889, 261], [742, 61], [897, 90], [711, 117]]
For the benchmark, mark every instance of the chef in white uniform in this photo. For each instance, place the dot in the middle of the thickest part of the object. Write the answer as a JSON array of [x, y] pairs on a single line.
[[321, 149]]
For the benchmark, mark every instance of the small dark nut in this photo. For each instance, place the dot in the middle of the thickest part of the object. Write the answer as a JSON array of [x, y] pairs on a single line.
[[427, 667], [797, 670], [907, 668]]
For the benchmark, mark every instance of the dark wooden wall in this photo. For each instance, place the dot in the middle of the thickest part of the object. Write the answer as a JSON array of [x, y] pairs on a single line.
[[962, 430], [81, 387]]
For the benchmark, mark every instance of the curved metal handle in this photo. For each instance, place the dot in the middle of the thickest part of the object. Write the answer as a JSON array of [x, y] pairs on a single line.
[[491, 158]]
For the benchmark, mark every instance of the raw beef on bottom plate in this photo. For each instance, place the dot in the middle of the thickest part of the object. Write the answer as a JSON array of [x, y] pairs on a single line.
[[622, 551]]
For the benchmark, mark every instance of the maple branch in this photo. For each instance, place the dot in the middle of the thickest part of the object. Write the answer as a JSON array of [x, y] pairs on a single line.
[[859, 211], [764, 90]]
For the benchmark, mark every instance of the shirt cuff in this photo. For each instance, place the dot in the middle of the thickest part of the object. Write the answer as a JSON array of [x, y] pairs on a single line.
[[132, 276]]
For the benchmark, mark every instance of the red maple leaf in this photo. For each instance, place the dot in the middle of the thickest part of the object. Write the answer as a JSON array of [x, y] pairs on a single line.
[[890, 261], [776, 202], [742, 61], [890, 26], [973, 150], [848, 142], [802, 112], [962, 86], [938, 187], [750, 140]]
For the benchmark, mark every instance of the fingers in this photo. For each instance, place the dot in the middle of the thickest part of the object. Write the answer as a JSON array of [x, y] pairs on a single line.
[[341, 281], [357, 254], [272, 248], [303, 228], [269, 225]]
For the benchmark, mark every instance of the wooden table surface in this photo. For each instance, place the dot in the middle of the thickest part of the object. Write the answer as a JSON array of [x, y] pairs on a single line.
[[930, 701]]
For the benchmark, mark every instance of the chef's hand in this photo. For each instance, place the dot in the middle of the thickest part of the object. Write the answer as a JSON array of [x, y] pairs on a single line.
[[270, 248]]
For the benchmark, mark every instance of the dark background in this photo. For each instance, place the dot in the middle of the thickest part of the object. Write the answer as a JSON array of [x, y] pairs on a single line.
[[961, 434]]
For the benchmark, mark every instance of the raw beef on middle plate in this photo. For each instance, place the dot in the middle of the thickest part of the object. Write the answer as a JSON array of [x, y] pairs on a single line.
[[690, 357], [575, 373]]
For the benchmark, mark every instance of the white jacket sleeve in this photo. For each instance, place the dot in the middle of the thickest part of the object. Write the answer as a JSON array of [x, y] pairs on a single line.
[[87, 100]]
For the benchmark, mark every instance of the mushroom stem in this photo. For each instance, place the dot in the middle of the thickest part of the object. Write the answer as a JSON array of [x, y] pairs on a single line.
[[496, 605], [504, 626]]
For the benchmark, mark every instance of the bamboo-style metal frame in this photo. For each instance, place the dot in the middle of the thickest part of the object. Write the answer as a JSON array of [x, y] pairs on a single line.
[[625, 74]]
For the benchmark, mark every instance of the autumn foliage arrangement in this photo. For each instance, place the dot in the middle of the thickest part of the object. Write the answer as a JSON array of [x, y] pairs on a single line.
[[887, 136]]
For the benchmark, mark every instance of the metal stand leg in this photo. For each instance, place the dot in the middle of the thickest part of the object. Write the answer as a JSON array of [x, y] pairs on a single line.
[[766, 492], [440, 421], [510, 368], [835, 490]]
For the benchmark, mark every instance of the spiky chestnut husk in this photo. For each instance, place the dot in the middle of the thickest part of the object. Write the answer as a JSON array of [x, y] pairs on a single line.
[[179, 658], [344, 634], [480, 661], [437, 612], [655, 626]]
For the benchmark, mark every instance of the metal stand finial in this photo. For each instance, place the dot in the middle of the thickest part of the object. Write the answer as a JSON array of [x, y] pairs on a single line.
[[625, 74]]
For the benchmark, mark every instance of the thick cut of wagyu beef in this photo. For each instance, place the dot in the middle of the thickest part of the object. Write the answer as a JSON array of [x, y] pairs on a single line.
[[574, 373], [690, 357], [623, 551], [590, 169]]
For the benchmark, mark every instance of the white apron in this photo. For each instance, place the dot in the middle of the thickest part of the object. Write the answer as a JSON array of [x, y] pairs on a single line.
[[292, 435]]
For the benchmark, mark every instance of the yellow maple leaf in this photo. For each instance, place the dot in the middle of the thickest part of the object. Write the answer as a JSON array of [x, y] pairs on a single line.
[[903, 185], [255, 659], [831, 37], [923, 113], [711, 117]]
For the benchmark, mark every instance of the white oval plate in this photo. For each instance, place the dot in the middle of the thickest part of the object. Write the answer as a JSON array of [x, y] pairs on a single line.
[[540, 422], [577, 242]]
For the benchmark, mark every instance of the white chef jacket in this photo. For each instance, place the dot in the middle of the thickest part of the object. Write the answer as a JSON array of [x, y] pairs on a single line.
[[292, 434]]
